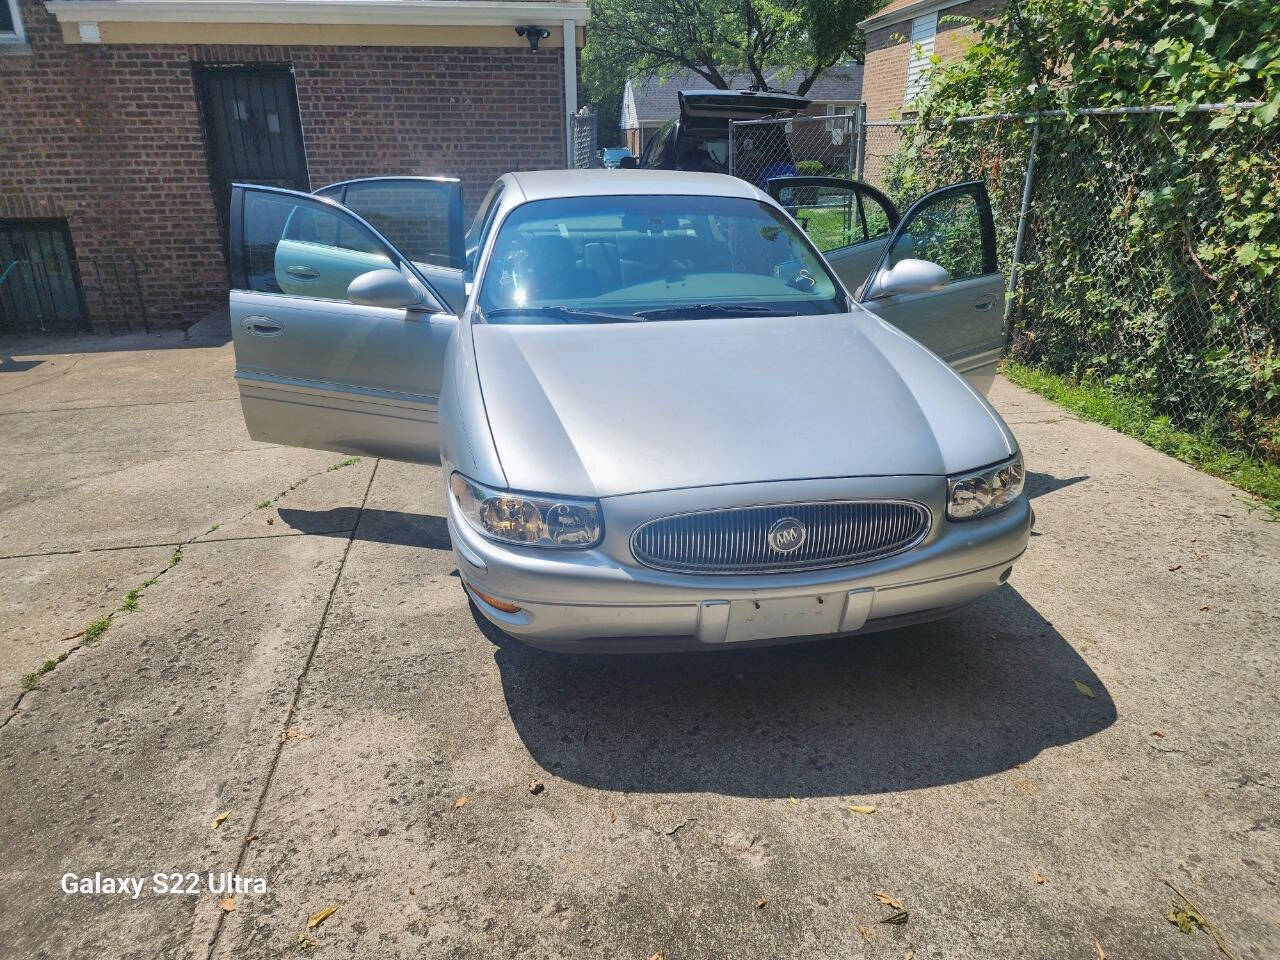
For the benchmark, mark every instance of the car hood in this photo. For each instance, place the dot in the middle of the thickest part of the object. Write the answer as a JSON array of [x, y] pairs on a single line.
[[601, 410]]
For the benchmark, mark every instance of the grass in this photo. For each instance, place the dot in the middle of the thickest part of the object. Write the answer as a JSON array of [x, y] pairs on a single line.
[[1132, 415], [350, 461], [96, 629]]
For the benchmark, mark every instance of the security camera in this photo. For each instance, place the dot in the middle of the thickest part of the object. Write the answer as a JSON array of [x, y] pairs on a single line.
[[533, 33]]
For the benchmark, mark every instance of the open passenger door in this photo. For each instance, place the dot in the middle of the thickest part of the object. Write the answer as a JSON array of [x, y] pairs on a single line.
[[339, 336], [937, 280]]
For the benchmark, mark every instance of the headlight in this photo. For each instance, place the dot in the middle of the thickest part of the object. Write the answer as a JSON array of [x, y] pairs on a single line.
[[984, 491], [526, 519]]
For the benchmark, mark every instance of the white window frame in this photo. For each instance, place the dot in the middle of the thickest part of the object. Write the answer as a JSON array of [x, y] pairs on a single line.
[[18, 34], [924, 30]]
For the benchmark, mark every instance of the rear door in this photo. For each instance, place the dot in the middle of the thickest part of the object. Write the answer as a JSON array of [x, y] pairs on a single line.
[[315, 369], [422, 217], [961, 320], [847, 220]]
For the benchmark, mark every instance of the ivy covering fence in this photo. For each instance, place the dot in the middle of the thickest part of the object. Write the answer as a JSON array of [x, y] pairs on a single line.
[[1152, 242]]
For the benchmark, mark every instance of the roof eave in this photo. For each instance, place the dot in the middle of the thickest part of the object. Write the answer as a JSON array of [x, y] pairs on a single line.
[[393, 12]]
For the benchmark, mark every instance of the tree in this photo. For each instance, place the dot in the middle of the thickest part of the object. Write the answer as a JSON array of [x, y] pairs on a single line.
[[719, 38]]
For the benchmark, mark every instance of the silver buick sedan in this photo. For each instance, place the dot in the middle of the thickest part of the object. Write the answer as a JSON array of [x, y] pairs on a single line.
[[666, 420]]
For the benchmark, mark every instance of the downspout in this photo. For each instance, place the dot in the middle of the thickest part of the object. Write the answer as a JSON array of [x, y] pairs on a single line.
[[570, 86]]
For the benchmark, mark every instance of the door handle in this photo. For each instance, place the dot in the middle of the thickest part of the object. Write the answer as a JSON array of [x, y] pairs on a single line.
[[301, 272], [983, 304], [262, 326]]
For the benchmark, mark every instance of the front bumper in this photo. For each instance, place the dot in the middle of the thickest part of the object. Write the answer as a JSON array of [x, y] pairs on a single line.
[[601, 600]]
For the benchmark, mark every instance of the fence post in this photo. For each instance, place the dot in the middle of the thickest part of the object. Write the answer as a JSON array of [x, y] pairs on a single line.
[[862, 139], [1021, 235], [733, 154]]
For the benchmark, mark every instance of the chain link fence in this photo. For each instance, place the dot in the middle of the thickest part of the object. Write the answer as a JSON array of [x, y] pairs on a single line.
[[582, 134], [1133, 269]]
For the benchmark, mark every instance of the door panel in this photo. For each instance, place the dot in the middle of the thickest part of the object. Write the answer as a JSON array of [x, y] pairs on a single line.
[[849, 221], [963, 321], [313, 369], [421, 217]]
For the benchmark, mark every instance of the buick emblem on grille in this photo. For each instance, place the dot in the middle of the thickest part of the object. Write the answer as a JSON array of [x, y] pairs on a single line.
[[787, 534]]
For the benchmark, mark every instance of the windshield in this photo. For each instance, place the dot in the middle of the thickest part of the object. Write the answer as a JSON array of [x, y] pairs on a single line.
[[602, 259]]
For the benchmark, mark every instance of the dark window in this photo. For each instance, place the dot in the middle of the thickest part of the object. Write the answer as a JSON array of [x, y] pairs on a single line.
[[39, 280], [6, 17]]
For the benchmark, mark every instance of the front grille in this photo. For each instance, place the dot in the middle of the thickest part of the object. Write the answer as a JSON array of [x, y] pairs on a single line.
[[737, 539]]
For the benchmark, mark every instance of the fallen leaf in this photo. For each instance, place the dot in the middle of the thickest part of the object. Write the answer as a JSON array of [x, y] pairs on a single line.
[[1084, 688], [863, 931], [460, 802], [613, 817], [228, 904], [292, 733], [1102, 954], [305, 942], [1176, 566], [867, 809], [760, 904], [910, 953], [792, 798], [1157, 733], [897, 919], [887, 900], [1204, 608], [218, 820], [657, 956], [318, 918], [270, 520], [536, 787], [1186, 918], [1038, 877]]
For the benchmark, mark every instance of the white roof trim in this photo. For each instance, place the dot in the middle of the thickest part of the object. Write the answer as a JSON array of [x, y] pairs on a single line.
[[909, 12], [398, 12]]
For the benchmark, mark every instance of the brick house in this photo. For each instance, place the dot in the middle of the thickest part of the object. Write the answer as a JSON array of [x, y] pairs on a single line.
[[902, 37], [649, 102], [125, 121]]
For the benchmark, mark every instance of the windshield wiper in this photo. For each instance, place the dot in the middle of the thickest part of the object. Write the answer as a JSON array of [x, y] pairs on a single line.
[[709, 310], [572, 314]]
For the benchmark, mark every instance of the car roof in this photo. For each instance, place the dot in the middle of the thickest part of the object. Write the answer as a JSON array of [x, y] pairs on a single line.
[[596, 182]]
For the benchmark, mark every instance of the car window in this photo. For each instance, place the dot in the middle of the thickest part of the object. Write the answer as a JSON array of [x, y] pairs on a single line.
[[414, 214], [829, 214], [656, 148], [622, 256], [875, 216], [305, 247], [947, 231], [481, 223]]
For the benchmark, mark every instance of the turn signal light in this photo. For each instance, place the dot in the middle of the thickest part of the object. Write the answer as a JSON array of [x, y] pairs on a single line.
[[496, 603]]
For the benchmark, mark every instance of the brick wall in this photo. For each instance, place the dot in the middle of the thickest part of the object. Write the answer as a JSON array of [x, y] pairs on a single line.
[[884, 78], [109, 137]]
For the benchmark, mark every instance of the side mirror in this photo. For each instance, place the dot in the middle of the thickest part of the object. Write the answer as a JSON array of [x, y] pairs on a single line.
[[628, 163], [910, 276], [383, 288]]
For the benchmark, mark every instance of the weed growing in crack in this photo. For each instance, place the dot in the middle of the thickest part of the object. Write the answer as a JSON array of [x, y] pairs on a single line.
[[350, 461], [175, 559], [263, 505], [130, 602], [96, 629]]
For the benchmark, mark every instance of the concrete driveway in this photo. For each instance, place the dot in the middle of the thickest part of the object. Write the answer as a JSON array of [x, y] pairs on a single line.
[[301, 657]]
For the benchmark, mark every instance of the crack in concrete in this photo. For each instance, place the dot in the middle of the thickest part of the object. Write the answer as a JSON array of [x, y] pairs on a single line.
[[177, 543], [115, 406], [193, 541], [36, 383], [250, 829]]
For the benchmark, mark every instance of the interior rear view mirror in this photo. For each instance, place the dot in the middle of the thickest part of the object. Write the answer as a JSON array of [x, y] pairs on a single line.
[[910, 276], [383, 288]]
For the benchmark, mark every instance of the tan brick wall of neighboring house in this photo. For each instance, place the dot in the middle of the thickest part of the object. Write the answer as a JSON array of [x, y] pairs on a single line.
[[884, 78], [109, 137]]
